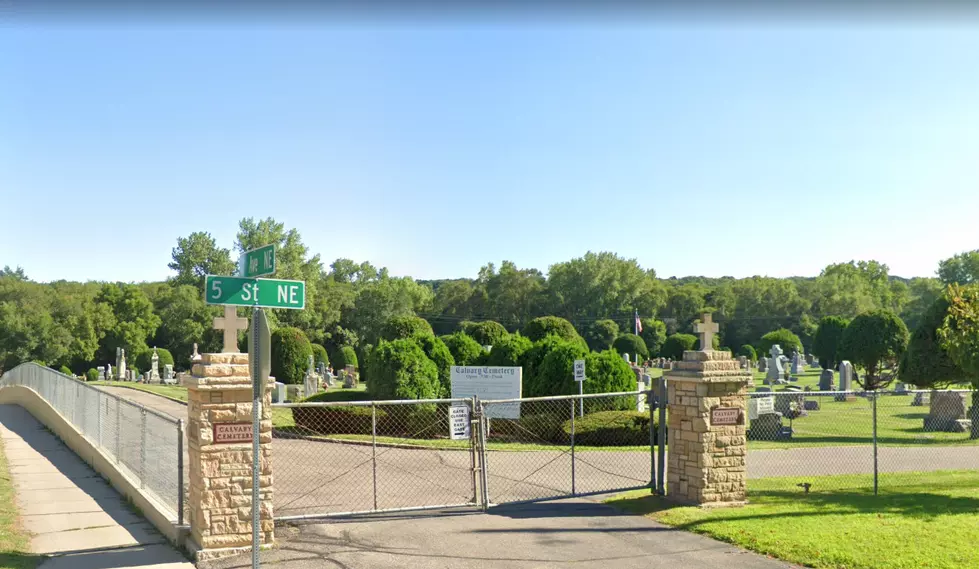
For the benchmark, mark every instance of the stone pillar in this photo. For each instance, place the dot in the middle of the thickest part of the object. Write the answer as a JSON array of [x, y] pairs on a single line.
[[219, 406], [707, 392]]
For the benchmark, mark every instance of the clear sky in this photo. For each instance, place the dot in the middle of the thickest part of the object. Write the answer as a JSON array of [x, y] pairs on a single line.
[[710, 149]]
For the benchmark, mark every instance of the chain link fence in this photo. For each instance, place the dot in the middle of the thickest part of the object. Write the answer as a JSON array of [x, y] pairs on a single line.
[[145, 444], [848, 440]]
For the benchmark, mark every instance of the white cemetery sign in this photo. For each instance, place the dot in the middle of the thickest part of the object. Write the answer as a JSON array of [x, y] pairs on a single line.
[[489, 383], [760, 406]]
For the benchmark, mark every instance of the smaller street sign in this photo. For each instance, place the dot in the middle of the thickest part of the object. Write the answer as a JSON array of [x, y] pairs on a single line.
[[240, 291], [257, 262], [579, 370]]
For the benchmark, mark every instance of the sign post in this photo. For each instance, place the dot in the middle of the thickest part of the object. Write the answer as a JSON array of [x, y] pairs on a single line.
[[579, 376], [260, 362]]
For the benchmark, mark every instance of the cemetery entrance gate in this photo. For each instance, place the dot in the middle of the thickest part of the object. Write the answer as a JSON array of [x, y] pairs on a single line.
[[343, 458]]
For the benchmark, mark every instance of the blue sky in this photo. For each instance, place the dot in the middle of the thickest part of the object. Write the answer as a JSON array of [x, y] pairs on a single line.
[[711, 149]]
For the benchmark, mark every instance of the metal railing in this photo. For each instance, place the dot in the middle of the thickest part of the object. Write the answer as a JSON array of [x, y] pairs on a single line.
[[145, 444], [843, 440]]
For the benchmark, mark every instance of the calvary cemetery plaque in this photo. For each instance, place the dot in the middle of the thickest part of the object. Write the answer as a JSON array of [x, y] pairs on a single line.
[[725, 416], [227, 433]]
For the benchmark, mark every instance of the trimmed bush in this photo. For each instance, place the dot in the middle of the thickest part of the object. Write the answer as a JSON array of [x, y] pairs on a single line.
[[786, 339], [554, 375], [436, 350], [607, 372], [675, 345], [632, 345], [343, 357], [611, 429], [926, 364], [748, 351], [510, 352], [486, 333], [543, 428], [601, 334], [320, 355], [401, 370], [144, 360], [290, 355], [66, 371], [363, 353], [540, 328], [411, 422], [92, 374], [873, 340], [465, 351], [531, 358], [401, 327]]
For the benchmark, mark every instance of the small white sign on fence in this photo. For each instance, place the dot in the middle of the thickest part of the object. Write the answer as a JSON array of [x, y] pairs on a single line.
[[459, 423], [760, 406]]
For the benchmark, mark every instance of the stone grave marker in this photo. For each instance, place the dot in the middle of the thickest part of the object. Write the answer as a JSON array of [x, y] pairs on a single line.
[[101, 370], [168, 374], [826, 380], [775, 368], [121, 363], [311, 383], [921, 399], [279, 392], [947, 413], [798, 366], [350, 377], [763, 364], [846, 382], [154, 376]]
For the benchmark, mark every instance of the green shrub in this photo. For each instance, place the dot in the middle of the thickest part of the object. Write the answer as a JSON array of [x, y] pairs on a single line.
[[675, 345], [465, 351], [654, 334], [611, 429], [486, 333], [407, 422], [436, 350], [363, 353], [826, 342], [632, 345], [509, 352], [92, 374], [400, 327], [748, 351], [144, 360], [345, 420], [532, 358], [874, 340], [544, 326], [290, 355], [66, 371], [555, 374], [343, 357], [541, 428], [601, 334], [925, 364], [786, 339], [401, 370], [607, 372], [320, 355]]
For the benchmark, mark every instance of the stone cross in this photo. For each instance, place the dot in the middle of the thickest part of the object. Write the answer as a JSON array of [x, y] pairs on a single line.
[[706, 329], [230, 323]]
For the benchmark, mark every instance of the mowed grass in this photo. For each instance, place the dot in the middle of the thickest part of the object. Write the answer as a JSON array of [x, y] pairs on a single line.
[[172, 391], [932, 524], [14, 542]]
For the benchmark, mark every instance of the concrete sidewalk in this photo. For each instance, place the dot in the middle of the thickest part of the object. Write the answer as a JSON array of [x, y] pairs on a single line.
[[76, 518]]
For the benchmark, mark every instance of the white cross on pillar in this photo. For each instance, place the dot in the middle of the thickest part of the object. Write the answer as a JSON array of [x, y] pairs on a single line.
[[706, 329], [230, 323]]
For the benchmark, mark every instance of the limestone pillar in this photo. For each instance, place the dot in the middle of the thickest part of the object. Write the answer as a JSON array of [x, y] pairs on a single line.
[[219, 429], [706, 398]]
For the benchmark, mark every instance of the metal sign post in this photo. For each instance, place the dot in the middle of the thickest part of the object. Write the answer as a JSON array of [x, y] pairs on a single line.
[[260, 363], [579, 376]]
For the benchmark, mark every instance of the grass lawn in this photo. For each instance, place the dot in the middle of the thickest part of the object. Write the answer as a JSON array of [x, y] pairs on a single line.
[[14, 542], [932, 524], [171, 391]]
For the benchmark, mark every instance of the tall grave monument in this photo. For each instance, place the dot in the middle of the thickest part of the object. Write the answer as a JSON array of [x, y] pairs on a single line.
[[775, 369], [706, 428]]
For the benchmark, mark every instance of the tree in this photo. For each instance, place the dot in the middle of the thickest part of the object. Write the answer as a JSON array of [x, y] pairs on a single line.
[[185, 320], [874, 340], [601, 334], [512, 296], [436, 350], [555, 374], [400, 370], [601, 284], [14, 274], [748, 351], [786, 339], [926, 364], [345, 356], [487, 332], [510, 352], [540, 328], [144, 360], [291, 350], [654, 334], [465, 351], [632, 345], [607, 372], [960, 269], [319, 355], [675, 345], [826, 342], [406, 326], [133, 320], [959, 335], [379, 301], [198, 255]]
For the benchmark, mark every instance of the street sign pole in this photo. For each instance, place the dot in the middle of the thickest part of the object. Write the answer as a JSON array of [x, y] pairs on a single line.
[[579, 376], [260, 360]]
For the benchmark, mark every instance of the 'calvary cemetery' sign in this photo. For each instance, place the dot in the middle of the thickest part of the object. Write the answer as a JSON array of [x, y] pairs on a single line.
[[232, 433], [489, 383]]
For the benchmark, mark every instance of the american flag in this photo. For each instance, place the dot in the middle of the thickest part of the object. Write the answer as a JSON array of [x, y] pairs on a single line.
[[638, 323]]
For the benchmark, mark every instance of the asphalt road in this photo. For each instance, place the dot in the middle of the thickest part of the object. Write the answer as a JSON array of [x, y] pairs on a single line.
[[317, 477]]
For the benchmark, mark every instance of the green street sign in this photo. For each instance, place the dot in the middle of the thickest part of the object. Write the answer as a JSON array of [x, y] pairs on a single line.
[[241, 291], [257, 262]]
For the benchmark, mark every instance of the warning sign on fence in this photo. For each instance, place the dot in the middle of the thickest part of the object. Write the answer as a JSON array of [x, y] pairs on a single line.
[[459, 422]]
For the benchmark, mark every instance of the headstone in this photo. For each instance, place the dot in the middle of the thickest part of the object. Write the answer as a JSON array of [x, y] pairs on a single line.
[[195, 357], [101, 370], [763, 389], [811, 405], [121, 368], [154, 376], [901, 388], [947, 412], [846, 382], [826, 380], [311, 384], [921, 399], [809, 359], [798, 366], [763, 364], [350, 377], [168, 373], [768, 427], [790, 403], [279, 393], [743, 362], [641, 387], [626, 358], [774, 365]]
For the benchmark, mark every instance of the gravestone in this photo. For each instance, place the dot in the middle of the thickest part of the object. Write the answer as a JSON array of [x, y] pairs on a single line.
[[900, 388], [763, 364], [809, 359], [826, 380], [790, 403], [195, 357], [311, 384], [626, 358], [154, 376], [846, 382], [921, 399], [168, 374], [121, 363], [775, 369], [947, 413], [350, 379], [798, 365], [765, 423], [811, 405], [101, 370], [279, 393], [743, 362]]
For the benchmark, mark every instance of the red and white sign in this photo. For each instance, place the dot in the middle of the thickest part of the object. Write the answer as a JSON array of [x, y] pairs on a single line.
[[227, 433]]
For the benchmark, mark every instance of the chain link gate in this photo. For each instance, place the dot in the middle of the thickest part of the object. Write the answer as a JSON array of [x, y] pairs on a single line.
[[343, 458]]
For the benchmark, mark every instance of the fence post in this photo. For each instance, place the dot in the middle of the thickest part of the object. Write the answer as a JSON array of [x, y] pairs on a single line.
[[180, 472], [484, 471], [374, 450], [662, 437], [875, 441], [473, 434], [652, 442], [142, 448], [573, 488]]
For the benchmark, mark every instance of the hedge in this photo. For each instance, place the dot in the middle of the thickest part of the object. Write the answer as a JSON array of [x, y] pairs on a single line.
[[409, 422], [436, 350], [401, 327], [554, 375], [607, 372], [320, 355], [66, 371], [632, 345], [465, 351], [544, 326], [748, 351], [92, 374], [611, 429], [510, 352], [144, 360], [343, 357], [601, 334], [486, 333], [401, 370], [290, 355], [675, 345]]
